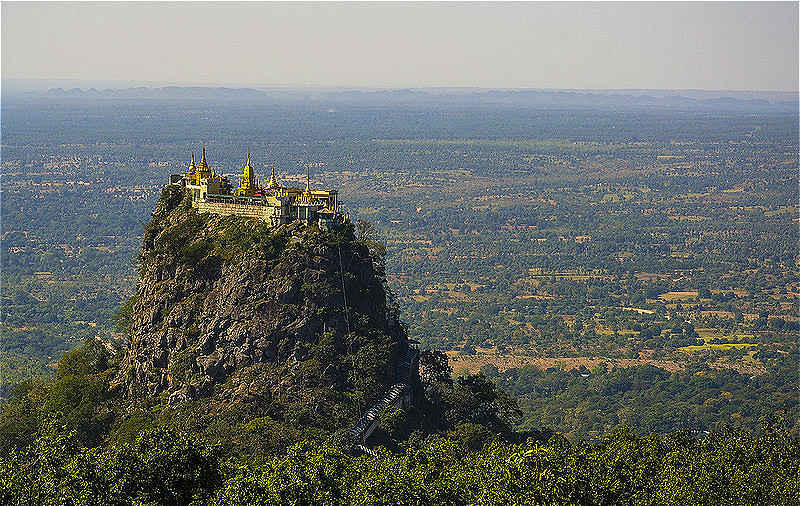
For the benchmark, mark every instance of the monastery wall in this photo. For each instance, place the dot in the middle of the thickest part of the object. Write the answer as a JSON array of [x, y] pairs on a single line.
[[261, 212]]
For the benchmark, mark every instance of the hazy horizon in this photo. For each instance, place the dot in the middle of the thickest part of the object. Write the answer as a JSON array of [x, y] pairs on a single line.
[[36, 84], [749, 47]]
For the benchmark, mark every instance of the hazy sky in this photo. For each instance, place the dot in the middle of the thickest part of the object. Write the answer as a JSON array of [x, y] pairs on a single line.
[[721, 46]]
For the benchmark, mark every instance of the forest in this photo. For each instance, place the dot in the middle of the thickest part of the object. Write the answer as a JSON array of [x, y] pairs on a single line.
[[63, 444]]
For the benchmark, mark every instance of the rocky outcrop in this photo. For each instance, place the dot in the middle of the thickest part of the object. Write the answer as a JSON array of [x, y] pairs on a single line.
[[218, 295]]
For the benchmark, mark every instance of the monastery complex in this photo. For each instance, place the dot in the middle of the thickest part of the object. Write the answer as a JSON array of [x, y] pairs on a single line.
[[273, 203]]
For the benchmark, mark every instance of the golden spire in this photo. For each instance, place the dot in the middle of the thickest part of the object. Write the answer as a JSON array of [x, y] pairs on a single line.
[[203, 163], [273, 181], [191, 168], [247, 185], [308, 179], [203, 171], [248, 170]]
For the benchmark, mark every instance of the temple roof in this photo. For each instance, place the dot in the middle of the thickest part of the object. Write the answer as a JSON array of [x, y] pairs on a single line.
[[273, 181], [203, 163]]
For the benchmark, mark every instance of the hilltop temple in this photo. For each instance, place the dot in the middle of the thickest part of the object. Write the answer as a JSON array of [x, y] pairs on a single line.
[[273, 203]]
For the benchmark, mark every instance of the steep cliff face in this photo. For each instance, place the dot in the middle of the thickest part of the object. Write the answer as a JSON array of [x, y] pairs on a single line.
[[229, 308]]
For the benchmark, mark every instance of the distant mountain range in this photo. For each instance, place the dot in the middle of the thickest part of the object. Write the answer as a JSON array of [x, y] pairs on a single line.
[[681, 99], [203, 92]]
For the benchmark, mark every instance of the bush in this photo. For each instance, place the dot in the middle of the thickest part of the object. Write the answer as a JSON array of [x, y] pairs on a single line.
[[394, 422], [472, 436]]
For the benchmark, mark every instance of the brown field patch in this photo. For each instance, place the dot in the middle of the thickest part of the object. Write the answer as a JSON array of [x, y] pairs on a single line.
[[670, 296], [536, 297], [460, 296], [638, 310], [718, 314], [473, 363], [751, 366]]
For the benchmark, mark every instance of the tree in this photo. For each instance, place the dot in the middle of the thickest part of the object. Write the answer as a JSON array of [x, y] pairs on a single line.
[[434, 367], [365, 230]]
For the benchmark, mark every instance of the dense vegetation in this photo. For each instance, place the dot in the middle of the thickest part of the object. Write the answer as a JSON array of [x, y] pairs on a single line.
[[582, 402], [63, 443], [165, 467]]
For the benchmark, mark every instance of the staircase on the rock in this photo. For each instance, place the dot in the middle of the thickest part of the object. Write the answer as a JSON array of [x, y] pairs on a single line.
[[369, 421], [406, 363], [399, 395]]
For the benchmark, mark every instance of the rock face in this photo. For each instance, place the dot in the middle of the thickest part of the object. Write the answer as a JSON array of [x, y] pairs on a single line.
[[219, 295]]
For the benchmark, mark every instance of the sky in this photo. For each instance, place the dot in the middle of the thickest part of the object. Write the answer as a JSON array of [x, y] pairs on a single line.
[[604, 45]]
